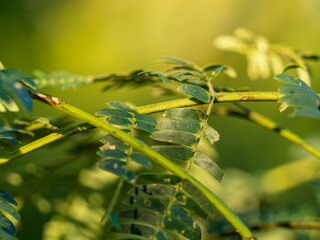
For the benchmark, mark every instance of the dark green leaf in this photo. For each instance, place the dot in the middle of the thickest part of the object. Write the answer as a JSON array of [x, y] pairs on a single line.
[[188, 203], [119, 121], [211, 135], [185, 113], [154, 190], [179, 125], [121, 106], [144, 126], [182, 222], [298, 94], [5, 206], [7, 224], [131, 178], [141, 159], [113, 166], [159, 178], [174, 152], [115, 220], [112, 153], [179, 137], [195, 91], [163, 78], [5, 234], [198, 197], [146, 118], [113, 113], [7, 197], [208, 165], [25, 79], [155, 204]]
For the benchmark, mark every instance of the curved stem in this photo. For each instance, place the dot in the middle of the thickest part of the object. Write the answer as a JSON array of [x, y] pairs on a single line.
[[271, 125], [310, 225], [151, 154]]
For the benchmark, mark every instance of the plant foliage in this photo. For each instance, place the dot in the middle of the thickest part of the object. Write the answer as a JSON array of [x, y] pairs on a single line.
[[155, 195]]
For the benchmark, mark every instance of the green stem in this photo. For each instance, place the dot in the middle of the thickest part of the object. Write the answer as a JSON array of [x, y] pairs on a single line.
[[151, 154], [310, 225], [44, 141], [271, 125]]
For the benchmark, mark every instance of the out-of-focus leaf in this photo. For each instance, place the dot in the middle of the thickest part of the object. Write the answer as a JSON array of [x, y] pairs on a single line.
[[195, 91], [6, 207], [7, 197], [114, 219], [115, 166], [208, 165], [112, 153], [217, 68]]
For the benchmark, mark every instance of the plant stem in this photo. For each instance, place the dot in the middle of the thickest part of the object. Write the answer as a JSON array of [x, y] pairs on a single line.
[[185, 102], [311, 225], [219, 98], [269, 124], [151, 154], [44, 141]]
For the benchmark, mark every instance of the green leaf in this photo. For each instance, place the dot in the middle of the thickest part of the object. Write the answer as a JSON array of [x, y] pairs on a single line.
[[141, 159], [112, 153], [182, 222], [7, 224], [180, 125], [115, 220], [119, 121], [155, 204], [178, 137], [156, 190], [121, 106], [5, 234], [211, 135], [113, 113], [198, 197], [208, 165], [217, 69], [7, 197], [24, 78], [299, 95], [188, 203], [11, 89], [169, 179], [195, 91], [174, 152], [185, 113], [146, 118], [131, 178], [144, 126], [113, 166], [6, 207]]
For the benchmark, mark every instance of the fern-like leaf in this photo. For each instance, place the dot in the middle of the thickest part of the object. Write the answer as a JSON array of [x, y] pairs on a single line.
[[299, 95], [117, 155], [7, 229]]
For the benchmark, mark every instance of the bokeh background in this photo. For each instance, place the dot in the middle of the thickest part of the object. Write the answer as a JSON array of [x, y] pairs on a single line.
[[106, 36]]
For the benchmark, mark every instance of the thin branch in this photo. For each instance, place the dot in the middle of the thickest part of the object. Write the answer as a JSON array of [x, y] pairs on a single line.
[[151, 154], [184, 102], [269, 124], [309, 225]]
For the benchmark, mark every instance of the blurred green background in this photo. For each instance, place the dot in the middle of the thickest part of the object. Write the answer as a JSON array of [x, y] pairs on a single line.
[[106, 36]]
